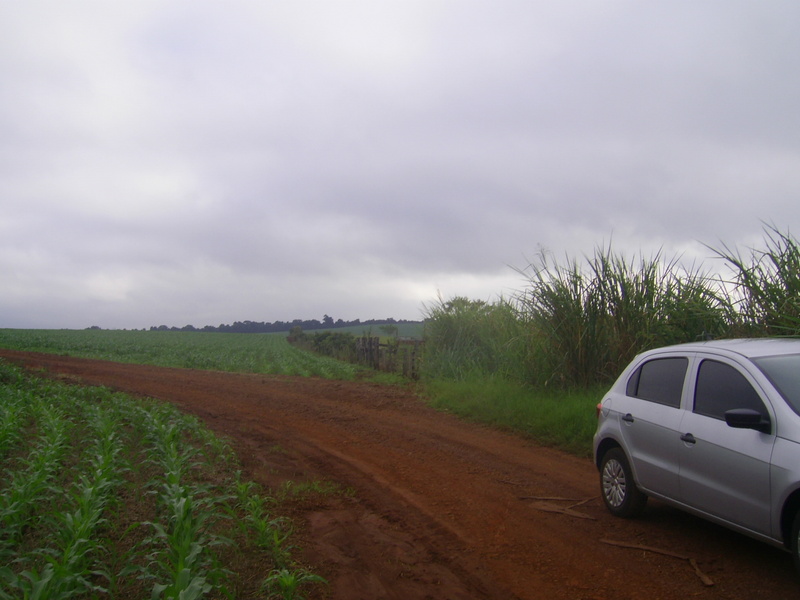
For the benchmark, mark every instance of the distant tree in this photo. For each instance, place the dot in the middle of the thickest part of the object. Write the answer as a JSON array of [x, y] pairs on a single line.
[[279, 326]]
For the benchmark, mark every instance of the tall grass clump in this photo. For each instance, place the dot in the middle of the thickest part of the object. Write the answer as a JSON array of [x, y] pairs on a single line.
[[766, 285], [472, 338], [576, 323], [587, 321], [538, 363], [563, 326]]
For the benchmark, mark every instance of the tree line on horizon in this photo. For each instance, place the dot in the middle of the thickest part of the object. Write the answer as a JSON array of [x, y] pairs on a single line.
[[327, 322]]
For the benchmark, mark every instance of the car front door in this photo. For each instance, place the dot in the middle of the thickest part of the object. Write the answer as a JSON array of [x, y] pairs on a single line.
[[724, 471]]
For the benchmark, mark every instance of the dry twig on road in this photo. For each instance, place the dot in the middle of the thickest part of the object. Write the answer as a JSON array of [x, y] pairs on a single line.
[[703, 577]]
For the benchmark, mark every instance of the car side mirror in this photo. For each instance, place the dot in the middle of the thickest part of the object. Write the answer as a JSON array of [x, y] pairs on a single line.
[[747, 418]]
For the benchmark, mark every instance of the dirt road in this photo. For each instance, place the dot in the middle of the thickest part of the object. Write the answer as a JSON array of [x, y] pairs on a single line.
[[443, 509]]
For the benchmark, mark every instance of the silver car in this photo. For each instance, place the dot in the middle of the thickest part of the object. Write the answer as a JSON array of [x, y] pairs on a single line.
[[712, 428]]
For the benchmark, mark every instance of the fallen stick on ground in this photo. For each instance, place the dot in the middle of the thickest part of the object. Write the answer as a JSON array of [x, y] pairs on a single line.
[[547, 498], [703, 577], [582, 502], [544, 506]]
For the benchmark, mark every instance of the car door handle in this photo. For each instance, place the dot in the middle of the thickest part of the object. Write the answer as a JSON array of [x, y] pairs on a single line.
[[688, 438], [628, 418]]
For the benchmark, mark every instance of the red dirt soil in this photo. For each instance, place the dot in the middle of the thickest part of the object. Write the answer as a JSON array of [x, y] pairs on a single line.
[[442, 508]]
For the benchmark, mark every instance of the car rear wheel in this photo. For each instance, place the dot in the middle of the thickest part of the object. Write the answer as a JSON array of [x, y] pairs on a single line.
[[622, 497]]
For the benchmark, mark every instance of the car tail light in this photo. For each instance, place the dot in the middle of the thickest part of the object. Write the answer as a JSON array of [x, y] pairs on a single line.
[[599, 408]]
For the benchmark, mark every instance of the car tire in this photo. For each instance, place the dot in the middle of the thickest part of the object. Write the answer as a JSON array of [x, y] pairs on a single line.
[[619, 491]]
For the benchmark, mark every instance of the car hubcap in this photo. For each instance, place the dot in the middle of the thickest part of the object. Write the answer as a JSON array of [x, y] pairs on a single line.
[[614, 485]]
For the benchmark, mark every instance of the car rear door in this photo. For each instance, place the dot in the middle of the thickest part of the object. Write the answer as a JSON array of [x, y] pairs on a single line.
[[650, 415], [725, 472]]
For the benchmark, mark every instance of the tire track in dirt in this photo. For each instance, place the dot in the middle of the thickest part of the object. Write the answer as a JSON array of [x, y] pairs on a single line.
[[442, 508]]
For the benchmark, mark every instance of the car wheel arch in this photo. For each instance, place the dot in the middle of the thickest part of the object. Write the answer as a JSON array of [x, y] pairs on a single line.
[[791, 508], [604, 446]]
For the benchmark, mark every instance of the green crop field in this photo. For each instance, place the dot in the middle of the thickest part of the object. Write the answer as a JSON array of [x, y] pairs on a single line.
[[267, 353], [107, 496]]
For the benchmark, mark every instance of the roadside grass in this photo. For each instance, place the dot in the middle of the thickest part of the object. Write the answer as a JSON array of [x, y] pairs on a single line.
[[107, 496], [556, 418]]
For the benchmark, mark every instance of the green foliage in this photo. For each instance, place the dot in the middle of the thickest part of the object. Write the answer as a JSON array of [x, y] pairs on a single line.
[[563, 419], [81, 515], [237, 352], [467, 338], [578, 323], [767, 285], [181, 562], [341, 346], [408, 330], [390, 330], [587, 323], [583, 322], [296, 335], [29, 480], [285, 584]]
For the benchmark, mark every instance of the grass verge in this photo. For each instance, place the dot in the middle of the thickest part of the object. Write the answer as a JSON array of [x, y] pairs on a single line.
[[558, 418]]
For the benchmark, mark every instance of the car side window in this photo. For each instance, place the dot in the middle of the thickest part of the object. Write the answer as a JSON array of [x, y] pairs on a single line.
[[659, 380], [720, 387]]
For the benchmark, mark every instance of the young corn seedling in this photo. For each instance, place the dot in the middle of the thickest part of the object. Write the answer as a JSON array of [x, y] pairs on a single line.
[[69, 564], [286, 584], [183, 540], [67, 571], [28, 486], [29, 585], [270, 534], [13, 413]]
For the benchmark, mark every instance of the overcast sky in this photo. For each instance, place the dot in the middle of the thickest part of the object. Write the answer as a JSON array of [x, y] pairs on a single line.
[[196, 162]]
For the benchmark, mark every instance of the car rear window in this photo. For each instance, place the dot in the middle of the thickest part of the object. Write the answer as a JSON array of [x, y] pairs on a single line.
[[659, 380], [784, 373]]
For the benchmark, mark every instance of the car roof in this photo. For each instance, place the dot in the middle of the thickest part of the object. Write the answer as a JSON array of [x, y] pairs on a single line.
[[747, 347]]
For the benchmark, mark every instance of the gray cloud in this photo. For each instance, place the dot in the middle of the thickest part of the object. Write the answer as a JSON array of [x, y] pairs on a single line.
[[168, 163]]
